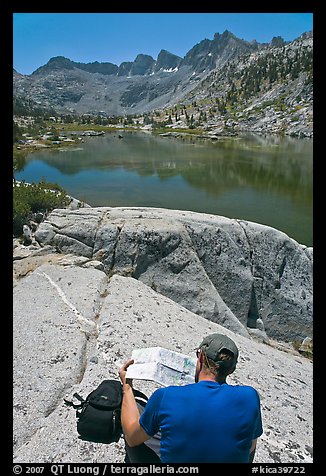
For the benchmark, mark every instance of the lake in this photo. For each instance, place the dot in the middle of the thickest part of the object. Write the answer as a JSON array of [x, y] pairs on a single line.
[[267, 180]]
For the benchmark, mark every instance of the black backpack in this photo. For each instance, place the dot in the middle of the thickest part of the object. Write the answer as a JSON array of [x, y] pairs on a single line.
[[98, 416]]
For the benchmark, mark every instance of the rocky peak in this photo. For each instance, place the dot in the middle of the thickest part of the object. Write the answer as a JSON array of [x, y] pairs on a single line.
[[96, 67], [226, 35], [143, 64], [277, 42], [208, 54], [306, 34], [167, 61], [227, 41], [124, 68], [55, 63], [199, 49], [62, 81], [60, 62]]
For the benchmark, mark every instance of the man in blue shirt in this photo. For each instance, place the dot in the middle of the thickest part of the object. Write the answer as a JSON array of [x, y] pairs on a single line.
[[206, 422]]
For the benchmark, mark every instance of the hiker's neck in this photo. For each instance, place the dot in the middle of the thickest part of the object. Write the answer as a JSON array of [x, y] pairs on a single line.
[[203, 375]]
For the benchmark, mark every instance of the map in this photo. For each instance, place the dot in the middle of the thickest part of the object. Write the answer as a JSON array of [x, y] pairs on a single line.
[[163, 366]]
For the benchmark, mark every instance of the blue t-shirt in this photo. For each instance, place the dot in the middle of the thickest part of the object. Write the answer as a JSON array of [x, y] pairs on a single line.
[[205, 422]]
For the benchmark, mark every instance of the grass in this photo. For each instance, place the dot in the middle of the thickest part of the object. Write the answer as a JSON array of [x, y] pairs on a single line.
[[163, 130], [74, 126], [306, 351]]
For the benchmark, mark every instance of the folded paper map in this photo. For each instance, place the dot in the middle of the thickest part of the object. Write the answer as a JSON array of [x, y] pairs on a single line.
[[162, 366]]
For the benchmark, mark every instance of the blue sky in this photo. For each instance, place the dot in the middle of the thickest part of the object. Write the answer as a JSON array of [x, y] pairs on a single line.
[[118, 37]]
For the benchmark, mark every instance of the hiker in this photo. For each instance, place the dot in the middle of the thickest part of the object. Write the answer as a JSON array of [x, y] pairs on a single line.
[[209, 421]]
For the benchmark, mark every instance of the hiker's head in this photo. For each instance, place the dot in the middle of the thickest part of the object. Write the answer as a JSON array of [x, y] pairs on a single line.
[[217, 355]]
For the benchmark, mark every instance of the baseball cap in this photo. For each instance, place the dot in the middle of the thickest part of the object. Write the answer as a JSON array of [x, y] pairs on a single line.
[[214, 343]]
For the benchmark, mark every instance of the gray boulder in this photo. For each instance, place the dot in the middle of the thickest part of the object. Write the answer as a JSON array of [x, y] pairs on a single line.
[[73, 327], [27, 234], [232, 272]]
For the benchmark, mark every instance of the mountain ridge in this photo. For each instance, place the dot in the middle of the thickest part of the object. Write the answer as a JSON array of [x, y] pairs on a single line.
[[219, 40], [225, 77]]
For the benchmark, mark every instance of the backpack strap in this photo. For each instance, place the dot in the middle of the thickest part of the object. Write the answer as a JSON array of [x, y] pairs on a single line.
[[77, 406], [139, 394], [81, 399]]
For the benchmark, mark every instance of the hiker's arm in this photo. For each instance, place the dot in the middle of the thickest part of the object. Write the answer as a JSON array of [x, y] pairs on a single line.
[[133, 432], [252, 450]]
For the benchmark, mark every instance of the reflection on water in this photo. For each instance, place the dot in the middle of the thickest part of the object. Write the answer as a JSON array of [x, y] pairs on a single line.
[[263, 179]]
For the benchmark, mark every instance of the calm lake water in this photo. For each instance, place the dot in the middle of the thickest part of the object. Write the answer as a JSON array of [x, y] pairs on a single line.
[[267, 180]]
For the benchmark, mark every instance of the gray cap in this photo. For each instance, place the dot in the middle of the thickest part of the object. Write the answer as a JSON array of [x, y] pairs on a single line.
[[214, 343]]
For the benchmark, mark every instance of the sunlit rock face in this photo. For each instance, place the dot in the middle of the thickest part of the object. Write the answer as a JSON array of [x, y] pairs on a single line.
[[250, 278], [74, 326]]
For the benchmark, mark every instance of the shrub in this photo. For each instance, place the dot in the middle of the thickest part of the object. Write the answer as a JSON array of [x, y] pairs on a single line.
[[21, 214], [304, 349], [33, 198]]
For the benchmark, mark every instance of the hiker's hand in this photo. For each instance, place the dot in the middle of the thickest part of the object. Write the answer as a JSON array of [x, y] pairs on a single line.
[[123, 371]]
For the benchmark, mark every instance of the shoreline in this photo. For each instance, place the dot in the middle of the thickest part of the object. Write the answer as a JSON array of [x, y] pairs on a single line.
[[176, 132], [180, 135]]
